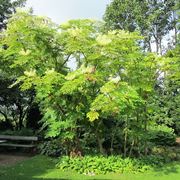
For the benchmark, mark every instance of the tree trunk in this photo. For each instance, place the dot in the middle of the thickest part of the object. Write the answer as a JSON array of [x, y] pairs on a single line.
[[20, 121], [100, 144], [160, 46], [112, 142], [99, 139], [157, 45], [125, 143], [175, 28], [132, 145], [149, 46], [125, 137], [145, 129]]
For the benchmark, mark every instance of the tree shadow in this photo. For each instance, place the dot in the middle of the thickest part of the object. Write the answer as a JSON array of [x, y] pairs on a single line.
[[67, 179], [172, 168], [42, 167], [37, 168]]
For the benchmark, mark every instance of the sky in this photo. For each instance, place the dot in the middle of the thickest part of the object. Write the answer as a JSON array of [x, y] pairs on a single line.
[[63, 10]]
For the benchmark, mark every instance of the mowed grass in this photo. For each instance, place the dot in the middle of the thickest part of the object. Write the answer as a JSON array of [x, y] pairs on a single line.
[[42, 167]]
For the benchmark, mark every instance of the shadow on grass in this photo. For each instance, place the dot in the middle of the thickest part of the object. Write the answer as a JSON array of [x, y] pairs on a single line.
[[37, 168], [68, 179], [168, 169], [27, 170], [41, 167]]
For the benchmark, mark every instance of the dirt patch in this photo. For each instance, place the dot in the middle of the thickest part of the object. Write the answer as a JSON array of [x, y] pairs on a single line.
[[178, 140], [10, 159]]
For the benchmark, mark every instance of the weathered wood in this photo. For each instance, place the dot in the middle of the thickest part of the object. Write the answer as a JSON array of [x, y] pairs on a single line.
[[23, 138], [2, 141], [17, 145]]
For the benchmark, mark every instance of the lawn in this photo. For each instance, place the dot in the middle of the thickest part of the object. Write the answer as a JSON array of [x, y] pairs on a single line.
[[41, 167]]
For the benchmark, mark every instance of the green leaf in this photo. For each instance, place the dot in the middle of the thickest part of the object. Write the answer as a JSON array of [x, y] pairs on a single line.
[[92, 115]]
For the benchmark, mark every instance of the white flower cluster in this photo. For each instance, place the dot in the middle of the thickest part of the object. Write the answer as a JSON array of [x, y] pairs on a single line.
[[50, 71], [24, 53], [103, 40], [30, 73], [75, 32], [115, 79]]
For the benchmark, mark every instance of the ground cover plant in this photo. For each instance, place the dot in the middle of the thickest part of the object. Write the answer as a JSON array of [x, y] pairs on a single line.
[[112, 164]]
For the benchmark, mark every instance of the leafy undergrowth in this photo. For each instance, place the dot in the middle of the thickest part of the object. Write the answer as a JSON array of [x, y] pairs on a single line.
[[93, 165], [42, 167]]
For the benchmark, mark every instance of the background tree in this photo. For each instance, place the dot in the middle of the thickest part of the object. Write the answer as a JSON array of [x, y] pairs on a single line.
[[8, 98], [7, 8], [14, 104], [30, 39], [154, 19], [168, 91]]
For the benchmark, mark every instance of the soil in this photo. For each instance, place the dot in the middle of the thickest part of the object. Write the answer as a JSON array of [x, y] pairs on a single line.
[[178, 140], [7, 159]]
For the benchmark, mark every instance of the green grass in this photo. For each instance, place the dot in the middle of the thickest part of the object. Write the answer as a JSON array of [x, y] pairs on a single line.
[[41, 167]]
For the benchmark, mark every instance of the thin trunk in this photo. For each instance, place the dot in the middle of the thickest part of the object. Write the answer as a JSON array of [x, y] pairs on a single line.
[[136, 140], [112, 142], [145, 129], [20, 119], [125, 143], [175, 28], [125, 137], [100, 144], [155, 35], [132, 145], [157, 45], [160, 46], [149, 46], [99, 140], [175, 34]]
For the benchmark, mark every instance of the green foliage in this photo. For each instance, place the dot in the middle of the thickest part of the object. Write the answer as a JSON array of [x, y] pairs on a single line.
[[7, 8], [92, 165], [14, 104], [52, 148], [153, 19], [115, 97], [168, 94], [110, 99], [162, 135], [167, 152], [32, 44]]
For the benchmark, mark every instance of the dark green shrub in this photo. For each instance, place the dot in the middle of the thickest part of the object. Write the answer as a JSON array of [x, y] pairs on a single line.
[[162, 135], [52, 148], [168, 153]]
